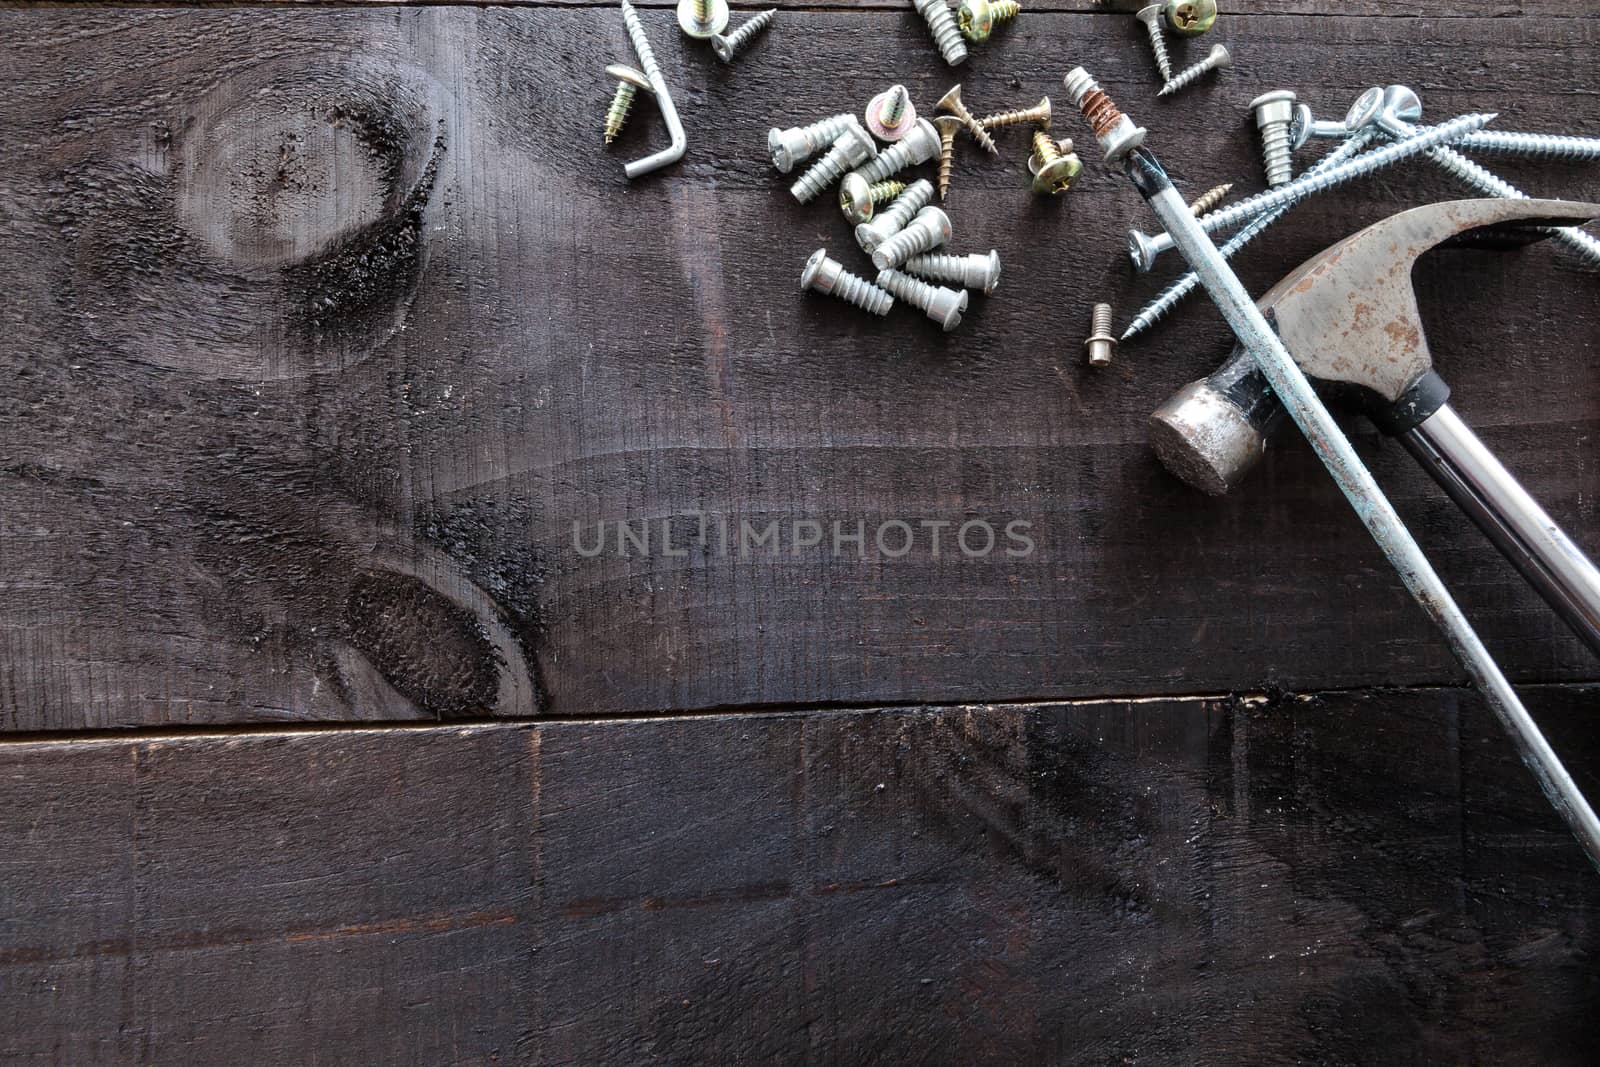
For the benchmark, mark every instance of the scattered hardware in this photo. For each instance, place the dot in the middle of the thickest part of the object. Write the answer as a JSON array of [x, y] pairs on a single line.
[[921, 145], [1100, 344], [731, 45], [891, 114], [702, 19], [889, 221], [629, 82], [858, 199], [799, 143], [978, 18], [829, 276], [851, 148], [946, 34], [663, 97], [1216, 60], [1053, 164], [972, 271], [951, 102], [1300, 400], [1274, 114], [941, 304], [929, 230]]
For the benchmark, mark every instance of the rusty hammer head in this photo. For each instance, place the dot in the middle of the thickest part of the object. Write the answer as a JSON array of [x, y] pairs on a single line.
[[1349, 317]]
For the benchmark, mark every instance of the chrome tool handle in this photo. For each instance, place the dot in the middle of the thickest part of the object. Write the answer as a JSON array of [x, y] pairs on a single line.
[[1449, 450]]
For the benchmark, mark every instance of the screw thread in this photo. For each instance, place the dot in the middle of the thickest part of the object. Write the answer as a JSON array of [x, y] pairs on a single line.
[[1210, 199], [892, 160], [1487, 182], [947, 159], [894, 106], [1158, 45], [826, 131], [883, 192], [946, 34], [1039, 114], [974, 127], [641, 44], [1100, 321], [892, 219], [1277, 152], [1045, 148], [908, 242], [918, 294], [702, 11], [1087, 96], [1174, 294], [854, 289], [1546, 146], [1186, 78], [617, 113], [748, 29], [1004, 10], [821, 174]]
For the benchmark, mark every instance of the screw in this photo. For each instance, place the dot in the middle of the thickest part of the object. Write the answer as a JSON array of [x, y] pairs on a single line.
[[921, 146], [702, 19], [972, 271], [1054, 165], [859, 200], [977, 18], [1541, 146], [929, 230], [951, 102], [731, 45], [1115, 131], [1100, 343], [829, 276], [1038, 114], [1144, 249], [790, 146], [1304, 127], [852, 147], [1191, 18], [629, 81], [663, 94], [1170, 297], [891, 114], [1151, 17], [1455, 164], [889, 221], [1274, 113], [1202, 206], [943, 306], [936, 13], [947, 125], [1218, 59]]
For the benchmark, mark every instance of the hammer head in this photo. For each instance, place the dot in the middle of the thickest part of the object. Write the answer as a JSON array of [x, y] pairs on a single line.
[[1349, 317]]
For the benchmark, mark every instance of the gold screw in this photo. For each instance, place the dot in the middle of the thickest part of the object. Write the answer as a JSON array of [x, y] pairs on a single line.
[[1054, 165], [947, 125], [629, 81], [1039, 115], [951, 102], [977, 18], [1210, 200]]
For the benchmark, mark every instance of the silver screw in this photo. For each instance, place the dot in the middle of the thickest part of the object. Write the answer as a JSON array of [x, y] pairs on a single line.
[[1151, 17], [1173, 294], [891, 115], [919, 146], [1115, 131], [852, 147], [1217, 59], [731, 45], [1145, 249], [972, 271], [1274, 113], [702, 19], [1553, 147], [1100, 343], [892, 219], [829, 276], [929, 230], [942, 305], [1457, 165], [797, 143], [946, 34]]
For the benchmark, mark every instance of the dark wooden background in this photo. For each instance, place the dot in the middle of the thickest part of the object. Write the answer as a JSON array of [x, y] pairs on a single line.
[[323, 325]]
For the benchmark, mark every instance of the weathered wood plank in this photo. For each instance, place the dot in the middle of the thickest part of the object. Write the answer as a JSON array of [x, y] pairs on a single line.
[[1315, 878], [325, 327]]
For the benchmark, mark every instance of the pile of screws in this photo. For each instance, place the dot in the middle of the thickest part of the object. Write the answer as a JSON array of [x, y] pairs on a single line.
[[1186, 18], [974, 19]]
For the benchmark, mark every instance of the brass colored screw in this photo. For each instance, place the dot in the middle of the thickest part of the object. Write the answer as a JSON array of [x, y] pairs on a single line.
[[947, 126], [1054, 165], [951, 102], [1191, 18], [629, 81], [1210, 200], [1039, 115], [859, 201], [977, 18]]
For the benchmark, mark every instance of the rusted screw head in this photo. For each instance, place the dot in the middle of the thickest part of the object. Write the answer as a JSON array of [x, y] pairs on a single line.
[[976, 19], [1191, 18], [855, 198]]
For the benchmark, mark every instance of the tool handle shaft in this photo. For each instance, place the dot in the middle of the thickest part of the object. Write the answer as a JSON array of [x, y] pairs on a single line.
[[1527, 536]]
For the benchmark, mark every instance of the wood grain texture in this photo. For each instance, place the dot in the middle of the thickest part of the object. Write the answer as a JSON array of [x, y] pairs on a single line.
[[1348, 878], [326, 326]]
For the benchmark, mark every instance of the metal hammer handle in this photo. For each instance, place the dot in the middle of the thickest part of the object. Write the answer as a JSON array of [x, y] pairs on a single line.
[[1527, 536]]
